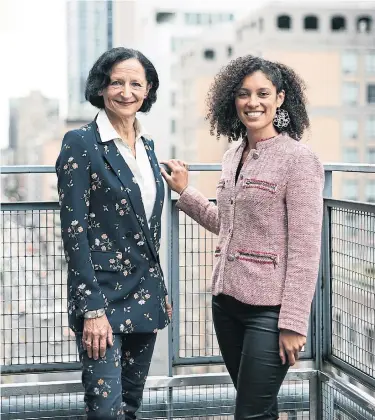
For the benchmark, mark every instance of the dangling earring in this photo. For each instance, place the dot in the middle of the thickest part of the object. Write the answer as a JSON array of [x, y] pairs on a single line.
[[281, 119]]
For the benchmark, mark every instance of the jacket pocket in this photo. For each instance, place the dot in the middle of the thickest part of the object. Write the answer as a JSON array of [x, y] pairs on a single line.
[[221, 184], [107, 261], [258, 257], [260, 184]]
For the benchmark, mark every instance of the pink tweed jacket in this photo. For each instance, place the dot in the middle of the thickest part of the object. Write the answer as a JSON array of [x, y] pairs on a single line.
[[269, 227]]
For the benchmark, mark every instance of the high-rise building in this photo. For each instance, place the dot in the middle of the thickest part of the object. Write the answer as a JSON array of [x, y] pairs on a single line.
[[167, 28], [89, 34], [332, 47]]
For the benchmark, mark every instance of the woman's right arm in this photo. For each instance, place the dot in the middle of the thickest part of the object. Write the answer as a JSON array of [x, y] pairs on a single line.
[[199, 208], [191, 201], [73, 173]]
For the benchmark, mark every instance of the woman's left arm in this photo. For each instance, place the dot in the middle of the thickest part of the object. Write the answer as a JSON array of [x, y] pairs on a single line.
[[304, 203]]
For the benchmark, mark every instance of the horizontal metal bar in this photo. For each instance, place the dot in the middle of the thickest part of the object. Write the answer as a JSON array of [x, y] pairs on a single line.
[[349, 167], [350, 205], [30, 205], [197, 361], [194, 167], [40, 367], [212, 360], [54, 387], [27, 169]]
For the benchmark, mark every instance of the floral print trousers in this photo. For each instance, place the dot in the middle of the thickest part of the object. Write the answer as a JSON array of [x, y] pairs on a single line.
[[114, 384]]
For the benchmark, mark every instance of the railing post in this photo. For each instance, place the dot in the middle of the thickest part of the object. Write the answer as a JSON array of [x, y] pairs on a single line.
[[173, 288], [321, 317], [326, 321]]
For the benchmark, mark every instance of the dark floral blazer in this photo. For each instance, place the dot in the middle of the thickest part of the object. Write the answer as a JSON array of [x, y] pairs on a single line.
[[111, 251]]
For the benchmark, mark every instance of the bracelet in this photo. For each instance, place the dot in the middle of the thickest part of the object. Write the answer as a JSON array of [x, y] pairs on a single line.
[[181, 192], [97, 313]]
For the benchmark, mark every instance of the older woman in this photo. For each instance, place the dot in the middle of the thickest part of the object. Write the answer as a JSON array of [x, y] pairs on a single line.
[[111, 194], [268, 218]]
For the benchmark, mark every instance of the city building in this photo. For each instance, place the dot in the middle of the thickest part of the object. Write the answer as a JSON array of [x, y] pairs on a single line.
[[89, 34], [33, 121], [332, 47]]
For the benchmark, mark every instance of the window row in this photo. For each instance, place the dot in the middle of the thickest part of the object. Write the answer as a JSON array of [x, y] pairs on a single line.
[[351, 155], [350, 93], [195, 18], [364, 24], [350, 128], [350, 61], [207, 18], [351, 190]]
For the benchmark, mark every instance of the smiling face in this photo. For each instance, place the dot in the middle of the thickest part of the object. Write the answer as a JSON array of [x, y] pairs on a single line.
[[256, 103], [127, 89]]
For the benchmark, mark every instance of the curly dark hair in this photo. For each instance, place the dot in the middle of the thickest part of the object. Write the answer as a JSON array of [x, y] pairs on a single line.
[[222, 113], [99, 76]]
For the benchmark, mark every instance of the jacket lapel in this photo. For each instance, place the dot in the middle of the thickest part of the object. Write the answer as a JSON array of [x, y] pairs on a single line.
[[114, 158], [155, 226]]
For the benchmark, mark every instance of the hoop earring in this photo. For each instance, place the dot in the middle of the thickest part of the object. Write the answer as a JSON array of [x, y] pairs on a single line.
[[281, 119]]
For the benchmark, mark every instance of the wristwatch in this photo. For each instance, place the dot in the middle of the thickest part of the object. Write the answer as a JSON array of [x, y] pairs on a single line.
[[97, 313]]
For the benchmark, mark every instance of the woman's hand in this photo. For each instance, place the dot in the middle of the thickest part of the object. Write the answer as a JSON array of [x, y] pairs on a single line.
[[168, 307], [179, 178], [290, 344], [97, 333]]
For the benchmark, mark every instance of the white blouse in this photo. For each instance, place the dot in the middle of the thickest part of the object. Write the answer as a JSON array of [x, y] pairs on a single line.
[[140, 166]]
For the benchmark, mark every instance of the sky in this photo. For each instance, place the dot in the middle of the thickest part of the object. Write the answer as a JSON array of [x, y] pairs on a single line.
[[33, 46]]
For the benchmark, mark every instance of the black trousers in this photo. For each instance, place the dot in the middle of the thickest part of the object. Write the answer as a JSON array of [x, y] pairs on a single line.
[[248, 338], [114, 384]]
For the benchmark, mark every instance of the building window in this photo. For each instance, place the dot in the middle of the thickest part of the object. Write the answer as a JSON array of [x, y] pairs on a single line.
[[370, 191], [351, 189], [173, 126], [370, 62], [311, 23], [109, 24], [371, 93], [349, 62], [370, 127], [164, 17], [205, 19], [364, 24], [350, 129], [229, 51], [209, 54], [261, 24], [370, 158], [350, 93], [338, 23], [173, 152], [284, 22], [173, 98], [351, 155]]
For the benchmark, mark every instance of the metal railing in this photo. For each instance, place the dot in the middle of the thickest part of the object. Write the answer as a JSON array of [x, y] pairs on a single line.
[[335, 378]]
